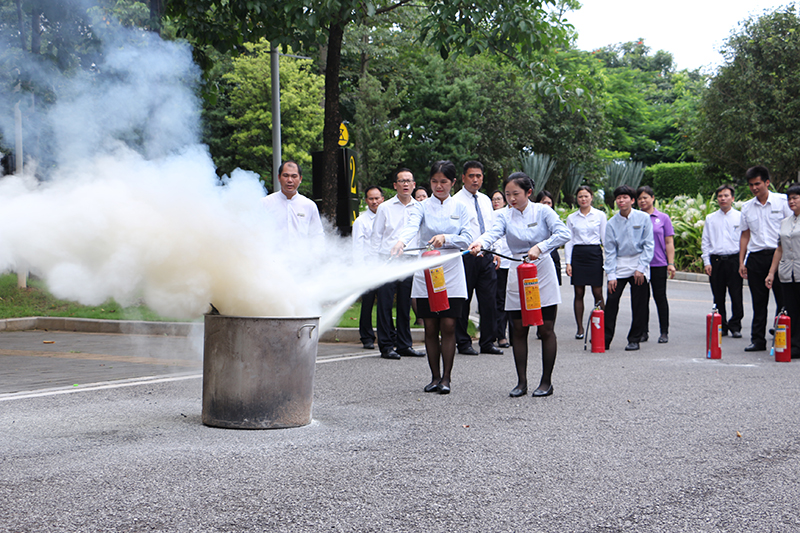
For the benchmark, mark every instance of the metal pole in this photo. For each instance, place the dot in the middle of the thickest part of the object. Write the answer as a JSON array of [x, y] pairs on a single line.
[[22, 272], [276, 116]]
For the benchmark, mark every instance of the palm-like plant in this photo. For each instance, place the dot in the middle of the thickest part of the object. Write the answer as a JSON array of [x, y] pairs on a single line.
[[538, 167], [621, 173]]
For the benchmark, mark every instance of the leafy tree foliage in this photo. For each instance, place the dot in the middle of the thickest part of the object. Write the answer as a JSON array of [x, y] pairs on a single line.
[[750, 114], [521, 31]]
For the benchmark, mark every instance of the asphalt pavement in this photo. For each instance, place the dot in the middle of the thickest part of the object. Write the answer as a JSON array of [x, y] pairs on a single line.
[[103, 432]]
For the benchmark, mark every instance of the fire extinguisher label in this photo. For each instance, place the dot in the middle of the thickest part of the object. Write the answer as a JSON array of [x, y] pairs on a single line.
[[780, 338], [532, 299], [437, 279], [719, 334]]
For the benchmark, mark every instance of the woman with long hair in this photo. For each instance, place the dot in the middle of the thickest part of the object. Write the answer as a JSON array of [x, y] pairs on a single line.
[[583, 254], [532, 230], [444, 224]]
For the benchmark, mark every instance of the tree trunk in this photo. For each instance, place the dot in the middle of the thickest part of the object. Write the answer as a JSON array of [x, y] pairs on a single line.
[[330, 131], [21, 17]]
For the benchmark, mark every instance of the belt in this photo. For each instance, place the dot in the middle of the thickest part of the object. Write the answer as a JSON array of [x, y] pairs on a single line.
[[769, 251], [724, 257]]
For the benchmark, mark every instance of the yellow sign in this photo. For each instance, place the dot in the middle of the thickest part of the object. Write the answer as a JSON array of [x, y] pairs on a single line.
[[344, 135]]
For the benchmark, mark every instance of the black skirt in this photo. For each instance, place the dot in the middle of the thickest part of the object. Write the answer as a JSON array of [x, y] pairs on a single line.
[[424, 309], [587, 265]]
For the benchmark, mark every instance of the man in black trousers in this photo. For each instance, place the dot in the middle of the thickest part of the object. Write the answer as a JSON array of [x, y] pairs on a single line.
[[761, 224], [480, 271]]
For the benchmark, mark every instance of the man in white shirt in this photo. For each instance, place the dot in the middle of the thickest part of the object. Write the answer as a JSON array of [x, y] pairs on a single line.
[[761, 224], [480, 271], [720, 253], [390, 219], [294, 215], [361, 234]]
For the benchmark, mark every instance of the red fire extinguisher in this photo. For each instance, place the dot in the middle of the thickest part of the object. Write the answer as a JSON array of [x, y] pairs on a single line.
[[713, 334], [530, 300], [597, 328], [437, 290], [783, 338]]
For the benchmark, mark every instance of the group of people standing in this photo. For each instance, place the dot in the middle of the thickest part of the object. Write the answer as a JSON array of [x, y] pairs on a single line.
[[633, 248]]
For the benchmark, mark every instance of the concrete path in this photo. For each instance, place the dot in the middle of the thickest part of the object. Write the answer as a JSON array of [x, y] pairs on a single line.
[[102, 432]]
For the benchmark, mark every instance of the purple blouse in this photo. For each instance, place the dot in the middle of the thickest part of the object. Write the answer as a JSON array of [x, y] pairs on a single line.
[[662, 227]]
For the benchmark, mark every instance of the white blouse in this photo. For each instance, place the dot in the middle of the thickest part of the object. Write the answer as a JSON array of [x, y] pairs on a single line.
[[585, 229], [433, 217]]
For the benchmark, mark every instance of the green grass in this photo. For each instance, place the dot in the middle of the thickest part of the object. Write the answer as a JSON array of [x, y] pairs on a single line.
[[37, 301]]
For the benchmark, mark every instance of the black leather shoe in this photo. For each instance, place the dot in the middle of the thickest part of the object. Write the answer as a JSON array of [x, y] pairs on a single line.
[[468, 351], [736, 334], [538, 393], [755, 348], [444, 389], [632, 346], [579, 336], [504, 344], [433, 386], [663, 339], [492, 350], [370, 346], [517, 392], [644, 338], [410, 352], [390, 355]]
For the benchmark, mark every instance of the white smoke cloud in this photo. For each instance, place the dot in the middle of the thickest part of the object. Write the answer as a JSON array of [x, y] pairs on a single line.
[[132, 208]]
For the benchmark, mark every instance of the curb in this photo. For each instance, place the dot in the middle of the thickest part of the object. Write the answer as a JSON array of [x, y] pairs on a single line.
[[138, 327]]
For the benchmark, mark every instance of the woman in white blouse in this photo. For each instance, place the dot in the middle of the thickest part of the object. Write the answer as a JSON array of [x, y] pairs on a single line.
[[786, 262], [532, 230], [584, 257], [444, 224]]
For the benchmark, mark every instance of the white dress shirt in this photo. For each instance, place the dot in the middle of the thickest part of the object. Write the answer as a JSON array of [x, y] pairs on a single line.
[[361, 234], [764, 221], [538, 225], [721, 234], [296, 216], [390, 219], [585, 229], [789, 267], [484, 202], [449, 218]]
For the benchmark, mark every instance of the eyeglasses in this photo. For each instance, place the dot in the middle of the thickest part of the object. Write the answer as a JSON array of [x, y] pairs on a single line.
[[405, 182]]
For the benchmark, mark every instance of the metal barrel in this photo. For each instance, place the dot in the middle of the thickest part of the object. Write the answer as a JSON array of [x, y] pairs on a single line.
[[258, 372]]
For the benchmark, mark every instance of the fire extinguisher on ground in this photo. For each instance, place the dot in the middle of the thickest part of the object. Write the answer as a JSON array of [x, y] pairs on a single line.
[[530, 300], [434, 281], [782, 339], [597, 329], [714, 334]]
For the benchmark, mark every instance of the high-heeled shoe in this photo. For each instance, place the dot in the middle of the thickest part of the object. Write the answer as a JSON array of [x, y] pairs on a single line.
[[517, 392], [579, 335]]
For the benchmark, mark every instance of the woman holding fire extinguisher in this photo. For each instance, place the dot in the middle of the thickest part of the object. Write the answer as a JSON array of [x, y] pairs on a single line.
[[444, 224], [786, 262], [532, 230]]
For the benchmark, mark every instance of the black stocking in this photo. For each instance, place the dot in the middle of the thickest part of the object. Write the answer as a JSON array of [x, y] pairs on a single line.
[[580, 291], [549, 350], [448, 328], [432, 347], [520, 344]]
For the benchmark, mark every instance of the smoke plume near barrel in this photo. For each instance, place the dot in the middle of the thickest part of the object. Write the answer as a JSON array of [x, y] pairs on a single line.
[[131, 207]]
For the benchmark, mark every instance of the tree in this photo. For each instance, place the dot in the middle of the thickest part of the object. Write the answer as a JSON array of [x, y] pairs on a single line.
[[750, 114], [522, 30]]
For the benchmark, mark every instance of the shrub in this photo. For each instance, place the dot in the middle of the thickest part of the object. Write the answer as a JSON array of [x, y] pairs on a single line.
[[673, 179]]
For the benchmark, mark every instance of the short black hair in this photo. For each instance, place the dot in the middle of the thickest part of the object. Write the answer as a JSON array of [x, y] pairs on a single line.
[[472, 164], [394, 179], [723, 187], [756, 172], [299, 168], [623, 190], [366, 192], [648, 190], [793, 190]]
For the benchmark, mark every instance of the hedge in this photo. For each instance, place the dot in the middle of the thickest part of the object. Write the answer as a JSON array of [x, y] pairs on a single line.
[[673, 179]]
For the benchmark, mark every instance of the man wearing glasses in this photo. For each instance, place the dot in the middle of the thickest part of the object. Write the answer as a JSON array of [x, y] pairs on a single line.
[[391, 217]]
